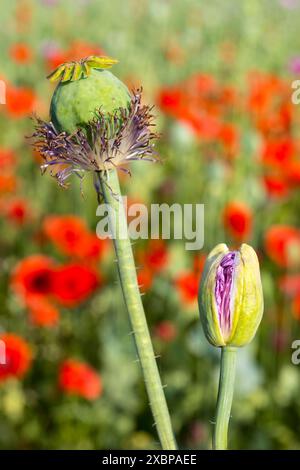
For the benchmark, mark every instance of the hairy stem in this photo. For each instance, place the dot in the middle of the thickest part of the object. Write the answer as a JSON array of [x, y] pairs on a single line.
[[225, 396], [118, 226]]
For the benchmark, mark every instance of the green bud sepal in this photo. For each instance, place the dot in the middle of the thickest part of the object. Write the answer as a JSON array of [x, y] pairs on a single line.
[[230, 296]]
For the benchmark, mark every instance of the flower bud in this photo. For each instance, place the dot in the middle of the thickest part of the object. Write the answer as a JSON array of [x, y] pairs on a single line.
[[230, 296], [82, 90]]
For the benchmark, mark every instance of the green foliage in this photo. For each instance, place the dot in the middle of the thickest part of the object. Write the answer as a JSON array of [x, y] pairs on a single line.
[[34, 413]]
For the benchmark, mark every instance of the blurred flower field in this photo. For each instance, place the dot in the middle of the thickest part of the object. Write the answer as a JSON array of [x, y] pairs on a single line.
[[220, 75]]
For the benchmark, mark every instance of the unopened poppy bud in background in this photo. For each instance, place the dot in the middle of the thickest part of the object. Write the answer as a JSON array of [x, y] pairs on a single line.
[[230, 296]]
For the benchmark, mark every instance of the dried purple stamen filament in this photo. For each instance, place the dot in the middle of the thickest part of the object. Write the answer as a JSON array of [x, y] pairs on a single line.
[[223, 291]]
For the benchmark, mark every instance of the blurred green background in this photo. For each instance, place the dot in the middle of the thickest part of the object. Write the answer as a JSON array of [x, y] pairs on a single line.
[[220, 75]]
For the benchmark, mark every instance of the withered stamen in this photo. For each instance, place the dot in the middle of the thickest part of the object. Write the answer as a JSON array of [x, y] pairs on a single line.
[[108, 141]]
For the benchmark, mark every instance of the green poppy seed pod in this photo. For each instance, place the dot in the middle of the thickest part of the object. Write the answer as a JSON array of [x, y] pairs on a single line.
[[230, 296], [85, 87]]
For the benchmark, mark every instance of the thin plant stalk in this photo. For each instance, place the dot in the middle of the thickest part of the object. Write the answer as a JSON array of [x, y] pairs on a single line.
[[110, 189], [225, 396]]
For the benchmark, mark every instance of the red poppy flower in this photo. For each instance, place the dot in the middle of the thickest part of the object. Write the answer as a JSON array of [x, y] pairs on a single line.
[[71, 236], [76, 51], [202, 103], [198, 264], [155, 257], [171, 100], [264, 89], [78, 378], [17, 355], [93, 248], [278, 151], [74, 283], [145, 279], [187, 285], [17, 211], [20, 53], [292, 171], [203, 84], [42, 312], [282, 244], [205, 126], [20, 101], [55, 57], [7, 159], [237, 219], [274, 122], [229, 138], [33, 276], [166, 331], [270, 104], [80, 48], [66, 232], [8, 183], [276, 185]]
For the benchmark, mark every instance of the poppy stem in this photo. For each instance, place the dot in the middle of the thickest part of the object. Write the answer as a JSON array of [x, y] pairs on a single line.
[[110, 189], [225, 396]]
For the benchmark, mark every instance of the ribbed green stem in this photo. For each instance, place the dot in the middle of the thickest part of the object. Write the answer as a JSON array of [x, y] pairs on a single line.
[[111, 190], [225, 396]]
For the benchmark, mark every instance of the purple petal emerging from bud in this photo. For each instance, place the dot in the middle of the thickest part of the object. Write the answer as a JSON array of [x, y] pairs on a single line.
[[223, 291], [231, 296]]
